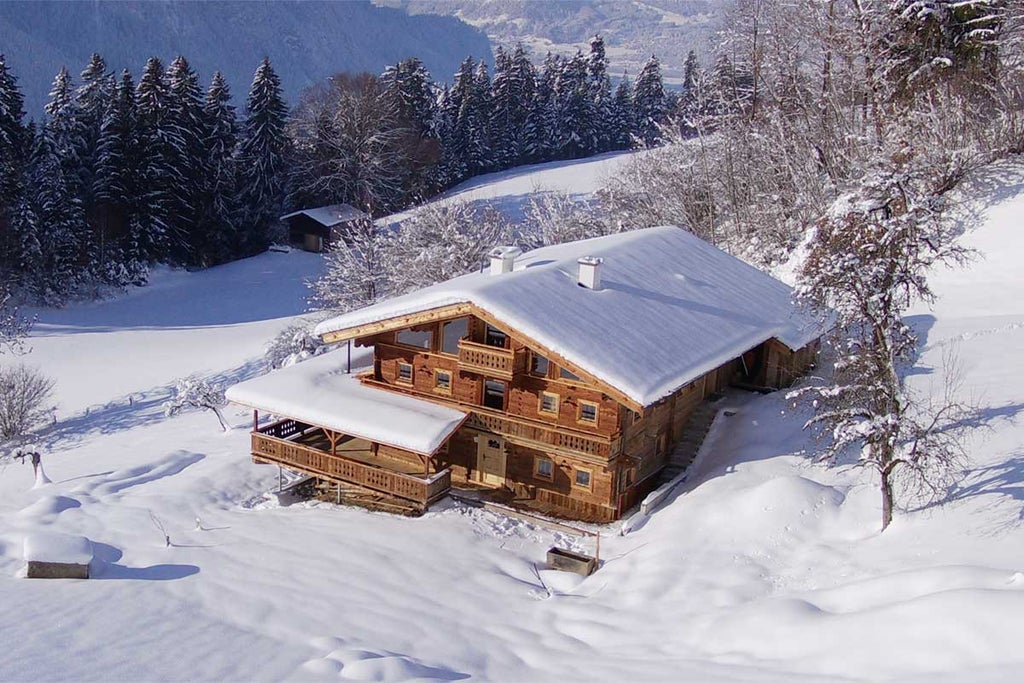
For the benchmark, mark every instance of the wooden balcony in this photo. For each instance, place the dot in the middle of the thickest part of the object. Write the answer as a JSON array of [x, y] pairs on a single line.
[[576, 442], [276, 443], [491, 361]]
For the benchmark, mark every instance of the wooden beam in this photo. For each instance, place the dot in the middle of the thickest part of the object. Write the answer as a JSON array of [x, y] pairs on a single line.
[[398, 323]]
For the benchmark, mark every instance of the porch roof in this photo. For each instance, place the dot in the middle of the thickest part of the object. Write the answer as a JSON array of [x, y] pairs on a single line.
[[319, 392]]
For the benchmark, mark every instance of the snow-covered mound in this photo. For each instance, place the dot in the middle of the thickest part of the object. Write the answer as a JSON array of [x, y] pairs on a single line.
[[762, 566]]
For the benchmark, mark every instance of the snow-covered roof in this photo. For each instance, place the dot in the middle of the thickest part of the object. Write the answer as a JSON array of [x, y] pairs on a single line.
[[329, 216], [318, 391], [670, 308]]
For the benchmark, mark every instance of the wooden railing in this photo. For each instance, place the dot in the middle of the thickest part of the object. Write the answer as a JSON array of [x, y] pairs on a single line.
[[492, 361], [319, 463], [601, 447]]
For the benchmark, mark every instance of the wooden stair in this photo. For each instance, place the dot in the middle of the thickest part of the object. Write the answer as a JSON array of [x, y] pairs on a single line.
[[693, 438]]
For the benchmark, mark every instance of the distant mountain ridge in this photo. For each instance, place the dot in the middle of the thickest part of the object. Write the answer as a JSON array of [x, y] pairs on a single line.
[[306, 41]]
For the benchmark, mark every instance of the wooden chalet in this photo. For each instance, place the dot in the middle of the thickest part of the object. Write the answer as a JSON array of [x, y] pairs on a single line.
[[565, 376], [318, 229]]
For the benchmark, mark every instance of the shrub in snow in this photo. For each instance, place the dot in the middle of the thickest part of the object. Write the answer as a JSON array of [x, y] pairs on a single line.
[[13, 328], [294, 344], [24, 400], [192, 392], [556, 218]]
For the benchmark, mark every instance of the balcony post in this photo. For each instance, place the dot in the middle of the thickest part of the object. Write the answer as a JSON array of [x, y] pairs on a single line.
[[255, 420]]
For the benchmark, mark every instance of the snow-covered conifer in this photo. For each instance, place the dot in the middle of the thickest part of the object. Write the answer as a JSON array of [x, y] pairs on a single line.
[[262, 151], [649, 101]]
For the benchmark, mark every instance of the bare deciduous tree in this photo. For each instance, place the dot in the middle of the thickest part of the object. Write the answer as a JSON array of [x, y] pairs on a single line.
[[867, 263], [192, 392], [25, 395]]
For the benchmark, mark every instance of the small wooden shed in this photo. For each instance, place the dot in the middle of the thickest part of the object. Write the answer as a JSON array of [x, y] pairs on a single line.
[[317, 229]]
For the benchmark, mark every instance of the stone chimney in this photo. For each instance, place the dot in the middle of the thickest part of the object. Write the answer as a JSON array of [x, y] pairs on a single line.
[[590, 272], [502, 259]]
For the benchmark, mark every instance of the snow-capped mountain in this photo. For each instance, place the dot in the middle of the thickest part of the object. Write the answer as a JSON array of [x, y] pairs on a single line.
[[307, 41], [632, 30]]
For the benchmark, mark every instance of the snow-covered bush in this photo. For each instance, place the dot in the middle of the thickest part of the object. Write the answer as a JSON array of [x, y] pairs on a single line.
[[558, 217], [192, 392], [13, 328], [24, 400], [294, 344]]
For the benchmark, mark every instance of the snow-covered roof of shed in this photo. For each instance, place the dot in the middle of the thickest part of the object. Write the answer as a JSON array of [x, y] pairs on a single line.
[[329, 216], [671, 307], [319, 392]]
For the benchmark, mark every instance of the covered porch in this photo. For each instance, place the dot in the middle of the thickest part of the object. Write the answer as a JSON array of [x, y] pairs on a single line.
[[332, 427]]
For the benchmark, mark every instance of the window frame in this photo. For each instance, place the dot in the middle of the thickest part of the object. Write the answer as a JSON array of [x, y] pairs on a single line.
[[537, 460], [430, 332], [576, 472], [440, 337], [504, 394], [412, 373], [540, 403], [579, 412], [547, 368], [563, 371], [487, 336], [437, 376]]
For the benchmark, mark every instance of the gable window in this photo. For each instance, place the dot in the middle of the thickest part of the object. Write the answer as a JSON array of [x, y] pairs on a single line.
[[588, 412], [418, 338], [451, 333], [495, 337], [538, 365], [582, 479], [494, 394], [565, 374], [405, 373], [543, 468], [548, 403], [443, 381]]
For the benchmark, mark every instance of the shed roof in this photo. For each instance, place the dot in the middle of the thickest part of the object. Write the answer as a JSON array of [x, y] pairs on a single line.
[[329, 216], [671, 308], [318, 391]]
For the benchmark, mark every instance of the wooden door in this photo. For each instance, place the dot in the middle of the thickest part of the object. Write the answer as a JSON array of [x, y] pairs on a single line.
[[490, 459]]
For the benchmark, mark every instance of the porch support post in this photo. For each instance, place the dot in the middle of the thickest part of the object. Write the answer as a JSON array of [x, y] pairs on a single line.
[[348, 365], [255, 420]]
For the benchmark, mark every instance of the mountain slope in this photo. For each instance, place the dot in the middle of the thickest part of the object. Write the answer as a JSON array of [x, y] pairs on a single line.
[[307, 41]]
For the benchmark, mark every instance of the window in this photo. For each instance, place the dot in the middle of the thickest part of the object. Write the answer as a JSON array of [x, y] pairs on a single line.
[[495, 337], [582, 479], [418, 338], [443, 381], [543, 468], [565, 374], [405, 372], [451, 333], [548, 403], [538, 365], [494, 394], [588, 412]]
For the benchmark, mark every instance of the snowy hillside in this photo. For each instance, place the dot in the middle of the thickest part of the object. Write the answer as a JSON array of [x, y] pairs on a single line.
[[764, 566], [307, 41]]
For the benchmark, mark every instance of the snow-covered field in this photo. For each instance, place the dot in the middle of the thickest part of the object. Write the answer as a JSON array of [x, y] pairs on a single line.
[[764, 566]]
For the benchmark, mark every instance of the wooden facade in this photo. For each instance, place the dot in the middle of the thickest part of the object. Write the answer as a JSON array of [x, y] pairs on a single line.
[[536, 426]]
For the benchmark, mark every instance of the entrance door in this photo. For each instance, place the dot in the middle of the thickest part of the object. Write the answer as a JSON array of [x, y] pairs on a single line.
[[490, 459]]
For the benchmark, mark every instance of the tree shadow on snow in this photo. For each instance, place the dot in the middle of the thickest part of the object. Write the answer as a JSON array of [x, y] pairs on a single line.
[[105, 566], [139, 409]]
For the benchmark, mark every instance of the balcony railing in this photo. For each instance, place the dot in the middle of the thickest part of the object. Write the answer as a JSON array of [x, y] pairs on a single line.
[[492, 361], [267, 446]]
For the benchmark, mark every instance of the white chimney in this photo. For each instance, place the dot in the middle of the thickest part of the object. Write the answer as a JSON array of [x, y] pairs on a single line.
[[502, 259], [590, 272]]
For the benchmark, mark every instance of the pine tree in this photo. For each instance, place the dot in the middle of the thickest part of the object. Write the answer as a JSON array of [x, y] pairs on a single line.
[[545, 140], [64, 128], [60, 228], [466, 109], [649, 101], [600, 88], [218, 212], [412, 95], [513, 90], [622, 124], [92, 100], [117, 189], [262, 159], [150, 224], [186, 124], [574, 110], [13, 151]]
